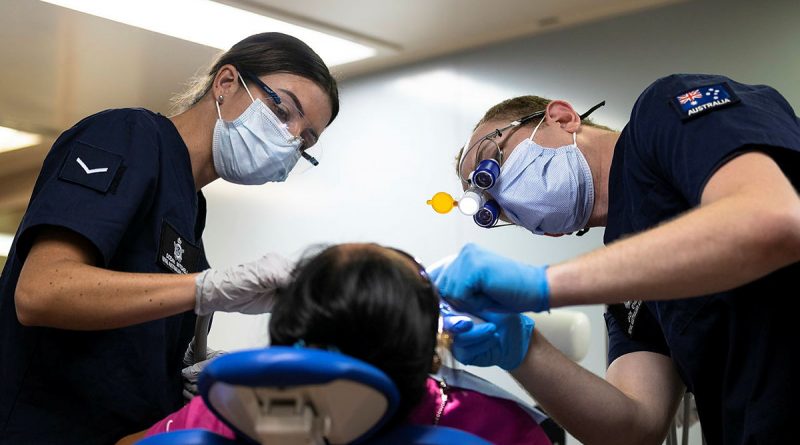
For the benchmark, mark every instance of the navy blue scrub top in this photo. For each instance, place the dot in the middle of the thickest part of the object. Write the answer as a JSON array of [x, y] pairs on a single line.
[[734, 350], [123, 180]]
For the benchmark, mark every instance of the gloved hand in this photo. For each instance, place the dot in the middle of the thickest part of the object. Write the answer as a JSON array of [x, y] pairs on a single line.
[[435, 269], [479, 279], [191, 372], [503, 340], [247, 288], [454, 321]]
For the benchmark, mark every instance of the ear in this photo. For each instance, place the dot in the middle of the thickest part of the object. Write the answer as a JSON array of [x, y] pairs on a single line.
[[561, 113], [226, 81]]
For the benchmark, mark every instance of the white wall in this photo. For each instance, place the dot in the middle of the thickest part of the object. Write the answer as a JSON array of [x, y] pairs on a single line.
[[393, 144]]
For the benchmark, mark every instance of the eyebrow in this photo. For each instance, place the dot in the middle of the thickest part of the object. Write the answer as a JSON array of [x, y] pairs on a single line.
[[296, 101], [299, 108]]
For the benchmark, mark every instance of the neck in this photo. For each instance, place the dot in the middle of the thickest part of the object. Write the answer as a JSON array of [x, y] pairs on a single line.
[[196, 127], [597, 147]]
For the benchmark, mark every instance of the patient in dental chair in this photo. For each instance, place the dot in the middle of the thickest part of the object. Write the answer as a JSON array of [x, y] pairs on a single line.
[[376, 304]]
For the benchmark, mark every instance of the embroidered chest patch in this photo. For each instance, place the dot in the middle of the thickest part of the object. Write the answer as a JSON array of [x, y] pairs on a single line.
[[175, 254], [701, 100]]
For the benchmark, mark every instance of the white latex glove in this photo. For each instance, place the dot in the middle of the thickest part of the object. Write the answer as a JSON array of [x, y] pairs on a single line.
[[247, 288], [191, 373]]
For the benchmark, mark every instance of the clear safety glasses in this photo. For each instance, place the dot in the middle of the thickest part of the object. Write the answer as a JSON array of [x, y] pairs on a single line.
[[287, 108]]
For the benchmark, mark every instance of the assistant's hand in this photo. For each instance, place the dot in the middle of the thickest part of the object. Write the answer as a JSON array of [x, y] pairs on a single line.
[[503, 340], [247, 288], [479, 279], [191, 372]]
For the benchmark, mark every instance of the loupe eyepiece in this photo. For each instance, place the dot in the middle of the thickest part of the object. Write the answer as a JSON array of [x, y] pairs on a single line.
[[488, 214], [486, 174]]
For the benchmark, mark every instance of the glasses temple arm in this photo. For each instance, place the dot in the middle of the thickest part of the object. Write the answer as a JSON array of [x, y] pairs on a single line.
[[591, 110], [309, 158]]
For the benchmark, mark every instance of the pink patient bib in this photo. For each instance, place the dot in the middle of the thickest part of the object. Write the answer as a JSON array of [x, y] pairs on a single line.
[[497, 420], [194, 415]]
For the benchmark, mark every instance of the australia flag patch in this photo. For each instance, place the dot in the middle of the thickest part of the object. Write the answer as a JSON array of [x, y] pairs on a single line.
[[701, 100]]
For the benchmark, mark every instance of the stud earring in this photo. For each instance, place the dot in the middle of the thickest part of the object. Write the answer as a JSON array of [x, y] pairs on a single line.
[[220, 99]]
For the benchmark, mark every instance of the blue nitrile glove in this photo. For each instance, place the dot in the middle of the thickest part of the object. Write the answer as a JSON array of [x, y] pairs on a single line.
[[478, 279], [454, 321], [503, 340], [436, 268]]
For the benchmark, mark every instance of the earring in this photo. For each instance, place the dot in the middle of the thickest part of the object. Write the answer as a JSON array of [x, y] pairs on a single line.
[[220, 99]]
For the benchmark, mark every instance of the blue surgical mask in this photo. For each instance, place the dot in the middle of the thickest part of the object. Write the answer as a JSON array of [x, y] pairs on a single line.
[[255, 148], [546, 190]]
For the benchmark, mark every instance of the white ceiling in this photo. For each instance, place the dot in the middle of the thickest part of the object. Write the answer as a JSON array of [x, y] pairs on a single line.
[[60, 65]]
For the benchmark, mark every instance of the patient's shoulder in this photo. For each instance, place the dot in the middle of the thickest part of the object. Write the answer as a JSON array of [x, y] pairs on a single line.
[[492, 418], [195, 414]]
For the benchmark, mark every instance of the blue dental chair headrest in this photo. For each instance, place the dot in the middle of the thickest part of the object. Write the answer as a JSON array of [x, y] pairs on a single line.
[[259, 392], [283, 395]]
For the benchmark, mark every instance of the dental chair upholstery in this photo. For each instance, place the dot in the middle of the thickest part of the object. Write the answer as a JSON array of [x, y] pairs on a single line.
[[292, 396]]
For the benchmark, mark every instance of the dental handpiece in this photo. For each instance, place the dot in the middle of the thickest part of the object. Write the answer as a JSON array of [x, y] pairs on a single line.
[[452, 317]]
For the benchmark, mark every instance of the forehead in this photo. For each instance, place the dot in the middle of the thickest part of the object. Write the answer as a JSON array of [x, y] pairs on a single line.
[[313, 100]]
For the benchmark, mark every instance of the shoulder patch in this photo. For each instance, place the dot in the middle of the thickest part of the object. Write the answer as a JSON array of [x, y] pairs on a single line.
[[701, 100], [91, 167]]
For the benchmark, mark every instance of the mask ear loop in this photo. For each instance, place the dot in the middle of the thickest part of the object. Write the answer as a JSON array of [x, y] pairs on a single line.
[[245, 87], [536, 128], [216, 102]]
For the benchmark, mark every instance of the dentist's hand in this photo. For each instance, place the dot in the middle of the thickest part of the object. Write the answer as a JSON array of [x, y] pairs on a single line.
[[454, 321], [503, 340], [435, 269], [247, 288], [478, 279]]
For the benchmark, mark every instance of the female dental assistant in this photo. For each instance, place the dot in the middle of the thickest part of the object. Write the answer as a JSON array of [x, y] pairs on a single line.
[[699, 197], [100, 293]]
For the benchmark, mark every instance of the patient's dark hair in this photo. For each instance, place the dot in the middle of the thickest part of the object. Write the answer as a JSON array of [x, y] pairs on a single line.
[[367, 301]]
